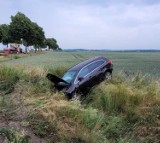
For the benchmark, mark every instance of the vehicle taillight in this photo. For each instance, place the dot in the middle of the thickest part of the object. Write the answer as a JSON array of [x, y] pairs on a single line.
[[110, 62]]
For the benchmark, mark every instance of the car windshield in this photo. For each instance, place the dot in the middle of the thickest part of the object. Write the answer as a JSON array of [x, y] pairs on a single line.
[[69, 76]]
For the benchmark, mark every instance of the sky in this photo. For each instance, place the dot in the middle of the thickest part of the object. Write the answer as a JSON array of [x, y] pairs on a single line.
[[92, 24]]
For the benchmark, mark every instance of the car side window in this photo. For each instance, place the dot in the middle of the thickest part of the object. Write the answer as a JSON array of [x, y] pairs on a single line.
[[95, 65], [90, 68], [84, 72], [99, 63]]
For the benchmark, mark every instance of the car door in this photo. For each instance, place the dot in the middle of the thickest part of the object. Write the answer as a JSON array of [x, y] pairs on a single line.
[[85, 81], [89, 75]]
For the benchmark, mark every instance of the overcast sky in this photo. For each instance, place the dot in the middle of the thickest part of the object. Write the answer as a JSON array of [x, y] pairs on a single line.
[[92, 24]]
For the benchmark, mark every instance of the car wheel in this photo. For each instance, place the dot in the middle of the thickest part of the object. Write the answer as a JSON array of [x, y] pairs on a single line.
[[108, 76]]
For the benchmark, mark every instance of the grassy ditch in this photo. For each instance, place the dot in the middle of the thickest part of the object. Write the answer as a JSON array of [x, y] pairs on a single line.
[[133, 107], [125, 109]]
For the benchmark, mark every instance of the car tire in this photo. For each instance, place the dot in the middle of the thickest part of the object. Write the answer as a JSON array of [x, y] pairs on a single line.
[[108, 75]]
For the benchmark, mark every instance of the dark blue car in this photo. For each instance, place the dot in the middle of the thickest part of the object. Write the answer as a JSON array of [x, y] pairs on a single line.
[[78, 80]]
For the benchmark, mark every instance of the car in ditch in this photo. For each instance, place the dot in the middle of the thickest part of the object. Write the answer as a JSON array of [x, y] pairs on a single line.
[[78, 80]]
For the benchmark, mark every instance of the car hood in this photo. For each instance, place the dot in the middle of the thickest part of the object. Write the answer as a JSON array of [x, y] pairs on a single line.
[[55, 79]]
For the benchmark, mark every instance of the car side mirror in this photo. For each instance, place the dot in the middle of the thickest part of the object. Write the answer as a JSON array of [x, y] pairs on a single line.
[[80, 78]]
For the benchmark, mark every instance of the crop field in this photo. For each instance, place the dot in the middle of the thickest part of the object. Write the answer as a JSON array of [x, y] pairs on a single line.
[[131, 63]]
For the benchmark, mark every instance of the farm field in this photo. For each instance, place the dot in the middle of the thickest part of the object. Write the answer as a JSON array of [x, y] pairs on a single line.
[[130, 63], [125, 109]]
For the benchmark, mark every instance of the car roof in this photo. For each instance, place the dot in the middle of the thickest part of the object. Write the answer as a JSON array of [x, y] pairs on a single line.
[[86, 62]]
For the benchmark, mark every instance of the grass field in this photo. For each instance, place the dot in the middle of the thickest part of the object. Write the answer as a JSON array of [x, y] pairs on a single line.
[[125, 109], [129, 62]]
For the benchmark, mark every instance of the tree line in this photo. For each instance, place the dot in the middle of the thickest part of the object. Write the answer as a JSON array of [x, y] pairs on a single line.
[[22, 30]]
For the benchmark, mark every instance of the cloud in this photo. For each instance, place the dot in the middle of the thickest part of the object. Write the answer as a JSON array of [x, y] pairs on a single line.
[[131, 24]]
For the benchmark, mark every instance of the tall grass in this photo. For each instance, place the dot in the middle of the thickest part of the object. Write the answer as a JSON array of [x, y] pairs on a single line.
[[68, 120], [34, 77], [8, 78], [125, 109], [58, 71], [131, 103], [119, 95]]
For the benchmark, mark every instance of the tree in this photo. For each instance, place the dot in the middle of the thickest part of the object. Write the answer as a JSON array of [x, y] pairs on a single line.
[[52, 43], [21, 27], [4, 34], [0, 34], [23, 30], [39, 37]]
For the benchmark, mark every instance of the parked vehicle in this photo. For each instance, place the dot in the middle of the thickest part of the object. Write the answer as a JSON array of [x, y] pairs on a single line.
[[10, 50], [78, 80]]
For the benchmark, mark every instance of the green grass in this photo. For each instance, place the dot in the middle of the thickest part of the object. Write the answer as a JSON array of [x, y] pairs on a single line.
[[13, 136], [16, 57], [125, 109], [8, 78]]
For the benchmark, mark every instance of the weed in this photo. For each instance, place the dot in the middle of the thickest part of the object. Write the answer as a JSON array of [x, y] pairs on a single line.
[[16, 57], [14, 137]]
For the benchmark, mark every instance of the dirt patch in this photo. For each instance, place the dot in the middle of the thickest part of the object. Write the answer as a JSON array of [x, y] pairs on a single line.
[[15, 118]]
